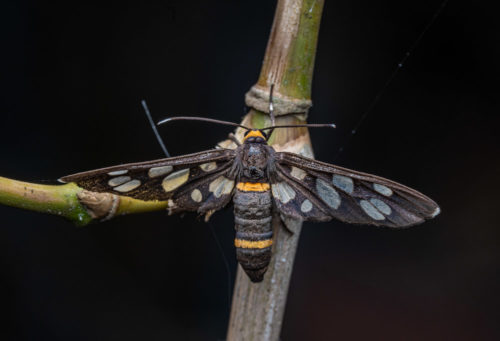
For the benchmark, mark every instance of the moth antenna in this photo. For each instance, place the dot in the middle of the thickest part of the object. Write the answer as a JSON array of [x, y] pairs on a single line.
[[203, 119], [311, 125], [273, 120], [153, 126]]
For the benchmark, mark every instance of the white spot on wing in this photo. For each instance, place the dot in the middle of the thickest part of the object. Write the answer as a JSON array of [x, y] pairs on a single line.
[[118, 172], [327, 194], [371, 210], [171, 206], [209, 166], [283, 192], [221, 186], [343, 182], [119, 180], [306, 206], [298, 173], [128, 186], [196, 195], [159, 171], [382, 190], [175, 180], [436, 212], [381, 206]]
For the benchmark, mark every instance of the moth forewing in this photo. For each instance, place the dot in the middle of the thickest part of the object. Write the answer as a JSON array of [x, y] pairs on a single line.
[[154, 180]]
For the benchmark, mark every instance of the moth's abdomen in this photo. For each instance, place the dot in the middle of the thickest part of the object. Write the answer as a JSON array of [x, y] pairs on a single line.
[[254, 234]]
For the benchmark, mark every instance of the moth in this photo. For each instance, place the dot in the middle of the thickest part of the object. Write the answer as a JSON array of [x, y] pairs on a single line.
[[260, 181]]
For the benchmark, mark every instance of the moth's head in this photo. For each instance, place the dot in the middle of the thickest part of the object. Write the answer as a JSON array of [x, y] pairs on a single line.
[[255, 136]]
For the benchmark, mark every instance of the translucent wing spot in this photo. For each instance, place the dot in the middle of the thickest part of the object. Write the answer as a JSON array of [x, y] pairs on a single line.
[[343, 182], [327, 194], [128, 186], [118, 172], [382, 190], [196, 195], [298, 173], [209, 166], [283, 192], [221, 186], [436, 212], [119, 180], [371, 210], [159, 171], [171, 206], [381, 206], [306, 206], [175, 180]]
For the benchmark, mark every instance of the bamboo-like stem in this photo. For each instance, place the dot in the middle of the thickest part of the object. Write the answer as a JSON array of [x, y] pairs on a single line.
[[258, 308], [70, 201]]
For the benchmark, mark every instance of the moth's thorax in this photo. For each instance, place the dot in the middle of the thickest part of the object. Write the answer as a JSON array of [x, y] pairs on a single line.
[[254, 162], [255, 136]]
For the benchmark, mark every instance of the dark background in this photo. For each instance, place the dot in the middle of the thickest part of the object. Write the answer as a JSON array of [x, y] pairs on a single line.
[[72, 77]]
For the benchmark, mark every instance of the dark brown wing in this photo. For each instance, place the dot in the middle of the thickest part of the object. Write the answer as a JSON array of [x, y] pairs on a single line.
[[311, 190], [196, 182]]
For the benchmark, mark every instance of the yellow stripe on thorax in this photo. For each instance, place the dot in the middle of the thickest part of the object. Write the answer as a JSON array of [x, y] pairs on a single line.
[[254, 133], [253, 186], [250, 244]]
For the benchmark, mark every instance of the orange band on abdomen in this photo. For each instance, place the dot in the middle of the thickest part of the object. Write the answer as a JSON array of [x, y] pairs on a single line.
[[253, 186], [251, 244]]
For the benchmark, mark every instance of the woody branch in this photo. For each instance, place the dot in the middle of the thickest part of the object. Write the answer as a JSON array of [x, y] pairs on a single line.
[[258, 308]]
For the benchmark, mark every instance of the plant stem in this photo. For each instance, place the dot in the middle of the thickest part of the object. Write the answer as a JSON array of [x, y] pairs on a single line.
[[258, 308], [59, 200], [71, 201]]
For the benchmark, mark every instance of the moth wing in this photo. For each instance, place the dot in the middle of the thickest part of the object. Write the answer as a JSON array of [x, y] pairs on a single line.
[[195, 182], [204, 195], [312, 190]]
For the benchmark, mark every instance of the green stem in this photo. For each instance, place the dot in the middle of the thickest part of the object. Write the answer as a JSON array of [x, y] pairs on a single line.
[[60, 200], [71, 202], [293, 71]]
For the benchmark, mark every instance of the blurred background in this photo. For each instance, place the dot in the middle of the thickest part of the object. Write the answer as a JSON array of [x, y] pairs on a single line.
[[72, 77]]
